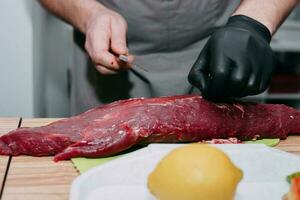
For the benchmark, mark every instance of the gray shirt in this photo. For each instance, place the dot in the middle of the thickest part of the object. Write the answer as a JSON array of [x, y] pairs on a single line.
[[166, 36]]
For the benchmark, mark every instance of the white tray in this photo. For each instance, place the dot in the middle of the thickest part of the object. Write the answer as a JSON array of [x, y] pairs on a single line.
[[265, 170]]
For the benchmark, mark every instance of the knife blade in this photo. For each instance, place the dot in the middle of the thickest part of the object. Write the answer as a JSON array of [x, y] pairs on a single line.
[[124, 59]]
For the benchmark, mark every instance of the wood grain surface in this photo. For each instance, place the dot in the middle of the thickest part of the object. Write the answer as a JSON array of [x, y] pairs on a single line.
[[291, 144], [33, 178], [6, 125]]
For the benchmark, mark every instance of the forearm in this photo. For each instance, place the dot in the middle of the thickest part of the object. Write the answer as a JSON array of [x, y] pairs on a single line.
[[75, 12], [271, 13]]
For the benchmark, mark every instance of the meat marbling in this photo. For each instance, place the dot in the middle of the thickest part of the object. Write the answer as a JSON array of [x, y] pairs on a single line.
[[115, 127]]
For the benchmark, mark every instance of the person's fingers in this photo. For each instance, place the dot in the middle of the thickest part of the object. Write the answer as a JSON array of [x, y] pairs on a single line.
[[261, 78], [201, 82], [197, 75], [98, 38], [118, 37], [237, 84], [203, 59], [265, 81], [220, 69], [253, 84], [267, 72], [107, 60], [126, 65], [97, 46], [217, 83], [130, 58], [106, 40], [104, 70]]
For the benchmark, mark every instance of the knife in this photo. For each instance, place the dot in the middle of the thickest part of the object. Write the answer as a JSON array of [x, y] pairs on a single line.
[[124, 59]]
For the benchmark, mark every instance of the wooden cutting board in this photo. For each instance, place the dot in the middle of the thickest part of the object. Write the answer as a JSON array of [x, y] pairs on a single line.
[[291, 144], [32, 178], [6, 125]]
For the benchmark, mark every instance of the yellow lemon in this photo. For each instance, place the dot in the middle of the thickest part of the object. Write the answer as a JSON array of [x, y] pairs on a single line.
[[195, 172]]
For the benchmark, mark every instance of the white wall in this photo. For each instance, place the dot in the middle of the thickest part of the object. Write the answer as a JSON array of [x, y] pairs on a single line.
[[35, 52], [16, 59], [53, 51]]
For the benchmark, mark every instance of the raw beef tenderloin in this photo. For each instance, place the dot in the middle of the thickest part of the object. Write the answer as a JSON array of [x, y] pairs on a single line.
[[115, 127]]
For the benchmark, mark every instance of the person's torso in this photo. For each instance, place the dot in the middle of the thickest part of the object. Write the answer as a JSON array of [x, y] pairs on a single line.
[[165, 36], [169, 25]]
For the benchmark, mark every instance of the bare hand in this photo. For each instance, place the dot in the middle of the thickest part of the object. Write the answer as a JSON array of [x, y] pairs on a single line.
[[106, 40]]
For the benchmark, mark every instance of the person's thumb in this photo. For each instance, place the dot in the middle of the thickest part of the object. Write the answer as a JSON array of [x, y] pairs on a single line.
[[197, 74], [118, 38]]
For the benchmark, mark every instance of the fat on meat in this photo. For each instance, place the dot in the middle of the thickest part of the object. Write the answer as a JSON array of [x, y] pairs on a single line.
[[115, 127]]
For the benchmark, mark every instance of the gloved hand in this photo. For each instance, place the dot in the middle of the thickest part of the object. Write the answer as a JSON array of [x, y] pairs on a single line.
[[236, 61]]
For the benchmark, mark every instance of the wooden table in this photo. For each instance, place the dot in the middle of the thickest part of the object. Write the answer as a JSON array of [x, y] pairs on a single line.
[[32, 178]]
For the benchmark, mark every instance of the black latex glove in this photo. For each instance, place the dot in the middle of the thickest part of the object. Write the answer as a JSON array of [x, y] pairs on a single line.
[[236, 61]]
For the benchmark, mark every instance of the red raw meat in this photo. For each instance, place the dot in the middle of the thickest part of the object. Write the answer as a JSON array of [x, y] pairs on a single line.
[[115, 127]]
